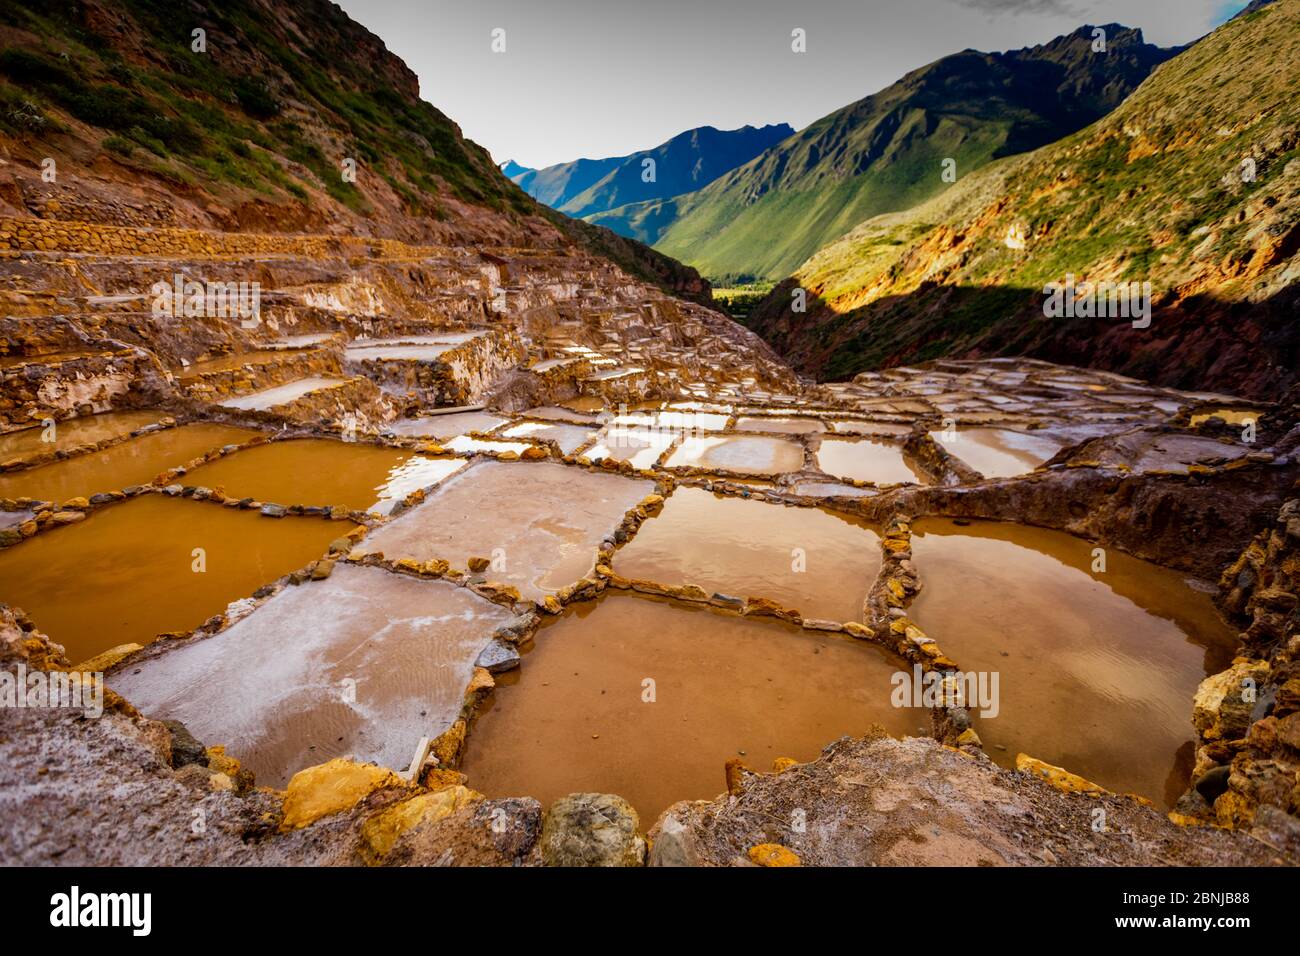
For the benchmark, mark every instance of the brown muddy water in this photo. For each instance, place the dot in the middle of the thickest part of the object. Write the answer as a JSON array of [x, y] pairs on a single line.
[[1097, 670], [998, 452], [68, 434], [741, 454], [865, 460], [817, 562], [134, 462], [577, 717], [321, 471], [784, 425], [127, 573]]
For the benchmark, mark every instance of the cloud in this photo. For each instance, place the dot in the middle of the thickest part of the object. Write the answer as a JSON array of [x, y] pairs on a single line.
[[1061, 8]]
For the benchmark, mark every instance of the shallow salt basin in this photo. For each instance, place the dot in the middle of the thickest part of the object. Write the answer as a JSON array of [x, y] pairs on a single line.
[[66, 435], [557, 413], [684, 421], [745, 454], [865, 460], [397, 353], [642, 447], [1097, 671], [322, 471], [569, 437], [859, 427], [814, 561], [281, 394], [540, 523], [126, 573], [584, 403], [789, 426], [301, 341], [364, 663], [435, 338], [136, 461], [464, 445], [998, 452], [227, 363], [831, 489], [575, 718], [445, 426]]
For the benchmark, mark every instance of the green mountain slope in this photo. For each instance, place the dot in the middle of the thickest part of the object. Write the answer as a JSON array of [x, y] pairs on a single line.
[[1158, 191], [251, 132], [885, 152]]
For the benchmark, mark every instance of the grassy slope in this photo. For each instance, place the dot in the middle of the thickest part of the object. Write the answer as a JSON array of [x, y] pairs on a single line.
[[262, 118], [267, 109], [1149, 193], [884, 153]]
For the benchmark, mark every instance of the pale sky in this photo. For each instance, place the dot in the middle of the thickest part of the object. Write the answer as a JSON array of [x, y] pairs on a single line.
[[595, 78]]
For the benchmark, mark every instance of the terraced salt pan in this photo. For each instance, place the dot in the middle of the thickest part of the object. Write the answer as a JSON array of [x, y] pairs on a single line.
[[50, 358], [301, 341], [1097, 669], [831, 489], [397, 353], [547, 364], [745, 454], [464, 445], [416, 473], [865, 460], [692, 406], [226, 363], [790, 426], [364, 663], [322, 471], [127, 573], [136, 461], [859, 427], [269, 398], [724, 686], [814, 561], [435, 338], [558, 413], [583, 403], [686, 420], [640, 446], [998, 452], [542, 521], [446, 426], [568, 437], [66, 435]]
